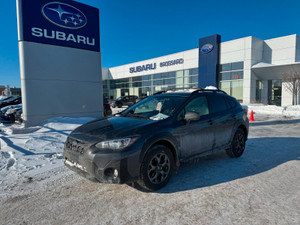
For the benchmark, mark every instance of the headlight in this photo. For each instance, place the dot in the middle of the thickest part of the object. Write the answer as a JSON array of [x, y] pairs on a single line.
[[117, 144]]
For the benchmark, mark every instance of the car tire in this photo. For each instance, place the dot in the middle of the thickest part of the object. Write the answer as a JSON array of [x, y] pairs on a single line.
[[157, 168], [237, 144]]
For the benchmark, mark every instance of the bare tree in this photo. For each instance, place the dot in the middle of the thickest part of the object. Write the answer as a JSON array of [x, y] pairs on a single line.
[[292, 85]]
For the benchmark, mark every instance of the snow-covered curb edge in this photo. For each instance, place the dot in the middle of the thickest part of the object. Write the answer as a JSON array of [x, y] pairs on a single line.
[[2, 143]]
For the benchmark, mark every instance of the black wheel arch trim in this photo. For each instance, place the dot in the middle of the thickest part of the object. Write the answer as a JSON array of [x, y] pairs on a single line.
[[242, 126], [163, 139]]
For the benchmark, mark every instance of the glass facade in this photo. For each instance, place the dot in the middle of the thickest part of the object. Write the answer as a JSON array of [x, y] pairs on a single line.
[[149, 84], [231, 79]]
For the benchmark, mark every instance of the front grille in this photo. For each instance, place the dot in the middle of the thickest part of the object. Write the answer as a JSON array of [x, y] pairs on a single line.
[[75, 146]]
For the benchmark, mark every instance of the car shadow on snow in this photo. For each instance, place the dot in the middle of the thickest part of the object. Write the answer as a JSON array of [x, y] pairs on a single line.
[[261, 155]]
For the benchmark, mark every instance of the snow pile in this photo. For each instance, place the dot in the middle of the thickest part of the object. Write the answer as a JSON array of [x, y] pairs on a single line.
[[118, 110], [292, 111], [210, 88], [287, 111], [26, 152]]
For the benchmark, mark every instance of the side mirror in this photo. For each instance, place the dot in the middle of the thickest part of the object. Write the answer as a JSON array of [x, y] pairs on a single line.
[[191, 116]]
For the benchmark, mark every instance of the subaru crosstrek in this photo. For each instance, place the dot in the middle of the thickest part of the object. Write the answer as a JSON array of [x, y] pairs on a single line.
[[145, 143]]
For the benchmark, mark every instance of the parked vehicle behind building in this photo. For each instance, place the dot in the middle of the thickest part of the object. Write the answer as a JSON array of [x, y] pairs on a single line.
[[125, 101], [146, 142], [11, 101], [8, 112], [106, 107]]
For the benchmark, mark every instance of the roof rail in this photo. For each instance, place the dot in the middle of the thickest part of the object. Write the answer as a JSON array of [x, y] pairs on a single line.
[[214, 90], [190, 89], [164, 91]]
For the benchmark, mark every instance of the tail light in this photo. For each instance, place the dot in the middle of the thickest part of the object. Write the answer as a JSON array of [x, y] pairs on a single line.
[[107, 106], [245, 109]]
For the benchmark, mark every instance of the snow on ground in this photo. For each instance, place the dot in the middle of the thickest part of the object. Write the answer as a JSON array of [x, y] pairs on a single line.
[[275, 111], [261, 187], [26, 152]]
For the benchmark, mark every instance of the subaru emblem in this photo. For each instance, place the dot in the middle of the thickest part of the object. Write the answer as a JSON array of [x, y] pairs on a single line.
[[207, 48], [64, 15]]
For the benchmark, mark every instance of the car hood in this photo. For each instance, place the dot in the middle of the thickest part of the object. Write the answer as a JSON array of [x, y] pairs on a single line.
[[110, 128]]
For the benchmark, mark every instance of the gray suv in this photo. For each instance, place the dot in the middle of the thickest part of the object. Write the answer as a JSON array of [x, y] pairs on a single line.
[[145, 143]]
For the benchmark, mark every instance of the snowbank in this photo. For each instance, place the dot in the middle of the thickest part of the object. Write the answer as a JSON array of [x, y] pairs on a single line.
[[287, 111], [25, 152]]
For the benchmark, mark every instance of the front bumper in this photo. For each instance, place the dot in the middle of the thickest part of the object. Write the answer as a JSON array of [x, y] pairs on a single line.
[[103, 166]]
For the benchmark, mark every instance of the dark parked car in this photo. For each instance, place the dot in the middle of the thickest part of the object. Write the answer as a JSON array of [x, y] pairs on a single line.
[[128, 100], [18, 116], [140, 98], [5, 98], [11, 101], [145, 143], [8, 112]]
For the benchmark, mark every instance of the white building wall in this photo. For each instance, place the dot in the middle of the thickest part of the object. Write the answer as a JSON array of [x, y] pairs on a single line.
[[105, 74], [287, 97], [190, 61], [232, 51], [250, 51], [297, 59], [281, 50]]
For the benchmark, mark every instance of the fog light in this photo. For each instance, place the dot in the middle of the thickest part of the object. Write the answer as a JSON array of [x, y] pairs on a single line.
[[116, 173]]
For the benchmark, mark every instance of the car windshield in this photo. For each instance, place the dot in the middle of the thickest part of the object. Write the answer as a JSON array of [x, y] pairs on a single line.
[[156, 107], [6, 98], [120, 98], [12, 99]]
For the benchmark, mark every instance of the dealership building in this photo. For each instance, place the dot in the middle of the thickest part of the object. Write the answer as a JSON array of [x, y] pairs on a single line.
[[249, 69]]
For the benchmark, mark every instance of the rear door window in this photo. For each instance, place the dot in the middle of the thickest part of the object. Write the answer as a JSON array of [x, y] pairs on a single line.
[[198, 105]]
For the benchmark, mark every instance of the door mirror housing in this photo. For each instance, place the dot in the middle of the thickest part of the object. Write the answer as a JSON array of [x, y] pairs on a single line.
[[191, 116]]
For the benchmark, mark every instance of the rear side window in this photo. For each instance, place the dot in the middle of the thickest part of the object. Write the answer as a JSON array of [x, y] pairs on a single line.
[[217, 103], [231, 102]]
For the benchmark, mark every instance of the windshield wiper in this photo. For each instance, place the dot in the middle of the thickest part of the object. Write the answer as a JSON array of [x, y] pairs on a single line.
[[136, 116]]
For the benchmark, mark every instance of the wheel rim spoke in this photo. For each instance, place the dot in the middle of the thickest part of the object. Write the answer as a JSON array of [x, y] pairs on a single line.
[[240, 143], [158, 168]]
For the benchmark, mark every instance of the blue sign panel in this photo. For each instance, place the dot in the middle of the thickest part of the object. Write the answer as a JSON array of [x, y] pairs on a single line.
[[209, 57], [64, 23]]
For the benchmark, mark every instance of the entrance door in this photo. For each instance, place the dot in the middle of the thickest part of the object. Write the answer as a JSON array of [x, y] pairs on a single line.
[[274, 92], [124, 92]]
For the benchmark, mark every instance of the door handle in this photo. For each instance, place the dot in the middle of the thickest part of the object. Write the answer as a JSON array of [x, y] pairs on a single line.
[[234, 116], [210, 122]]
